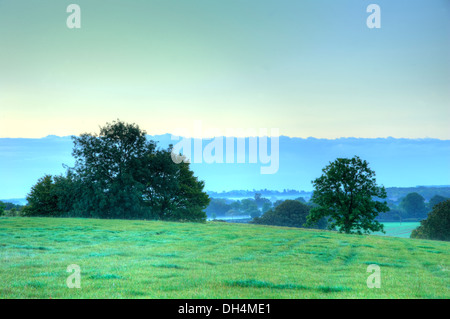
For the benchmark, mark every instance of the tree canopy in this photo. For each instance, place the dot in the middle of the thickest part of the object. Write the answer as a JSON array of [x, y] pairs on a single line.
[[347, 194], [120, 174], [414, 205], [42, 199], [290, 213]]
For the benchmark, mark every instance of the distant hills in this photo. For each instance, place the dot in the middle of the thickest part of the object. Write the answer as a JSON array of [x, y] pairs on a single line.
[[397, 163]]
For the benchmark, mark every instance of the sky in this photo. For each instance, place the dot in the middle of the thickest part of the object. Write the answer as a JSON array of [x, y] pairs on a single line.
[[308, 68]]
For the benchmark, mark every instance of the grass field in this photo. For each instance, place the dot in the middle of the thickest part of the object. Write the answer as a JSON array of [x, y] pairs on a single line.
[[147, 259]]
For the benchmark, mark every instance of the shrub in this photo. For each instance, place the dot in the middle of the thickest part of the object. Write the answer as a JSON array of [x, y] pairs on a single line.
[[437, 225], [42, 201], [291, 213]]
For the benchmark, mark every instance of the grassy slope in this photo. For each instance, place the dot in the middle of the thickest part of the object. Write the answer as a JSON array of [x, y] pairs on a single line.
[[144, 259]]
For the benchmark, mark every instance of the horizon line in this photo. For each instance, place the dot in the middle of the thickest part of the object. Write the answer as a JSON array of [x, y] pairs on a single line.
[[248, 136]]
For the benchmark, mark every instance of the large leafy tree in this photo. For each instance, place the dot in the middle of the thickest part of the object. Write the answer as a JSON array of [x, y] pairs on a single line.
[[348, 195], [123, 175], [108, 165], [120, 174]]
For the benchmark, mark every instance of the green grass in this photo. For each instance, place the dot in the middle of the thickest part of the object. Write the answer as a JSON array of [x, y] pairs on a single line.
[[148, 259]]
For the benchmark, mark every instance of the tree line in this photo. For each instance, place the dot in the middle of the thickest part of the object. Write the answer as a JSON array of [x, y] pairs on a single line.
[[411, 207]]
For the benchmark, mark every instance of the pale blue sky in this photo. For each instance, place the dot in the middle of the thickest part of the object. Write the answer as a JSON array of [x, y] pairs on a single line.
[[309, 68]]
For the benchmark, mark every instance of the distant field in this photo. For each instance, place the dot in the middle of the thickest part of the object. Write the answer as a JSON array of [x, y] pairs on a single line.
[[146, 259], [402, 230]]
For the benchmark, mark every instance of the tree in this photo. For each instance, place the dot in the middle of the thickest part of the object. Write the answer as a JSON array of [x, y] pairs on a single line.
[[266, 206], [249, 207], [2, 208], [185, 195], [110, 166], [414, 205], [436, 199], [171, 189], [218, 206], [261, 201], [437, 224], [291, 213], [345, 194], [255, 213], [42, 199], [121, 174], [258, 198], [236, 205]]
